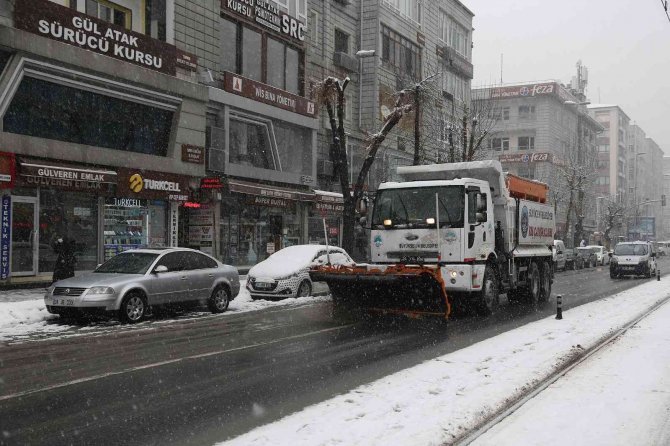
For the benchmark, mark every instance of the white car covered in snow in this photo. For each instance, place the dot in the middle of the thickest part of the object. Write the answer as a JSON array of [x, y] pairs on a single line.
[[286, 272]]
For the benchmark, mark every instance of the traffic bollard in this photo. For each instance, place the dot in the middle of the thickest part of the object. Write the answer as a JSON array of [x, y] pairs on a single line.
[[658, 275], [559, 306]]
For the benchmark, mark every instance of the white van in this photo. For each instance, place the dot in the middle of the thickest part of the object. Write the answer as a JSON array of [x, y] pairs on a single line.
[[558, 254], [633, 258]]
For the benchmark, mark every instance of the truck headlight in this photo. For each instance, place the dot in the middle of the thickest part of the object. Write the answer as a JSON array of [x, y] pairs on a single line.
[[97, 290]]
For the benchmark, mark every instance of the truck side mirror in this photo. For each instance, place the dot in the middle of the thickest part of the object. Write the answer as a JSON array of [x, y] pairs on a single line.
[[481, 203], [481, 217]]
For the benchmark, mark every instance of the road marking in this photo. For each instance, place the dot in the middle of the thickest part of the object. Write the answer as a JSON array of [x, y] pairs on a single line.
[[170, 361]]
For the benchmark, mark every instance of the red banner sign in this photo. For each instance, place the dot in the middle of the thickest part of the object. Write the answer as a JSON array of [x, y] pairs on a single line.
[[534, 157], [266, 94]]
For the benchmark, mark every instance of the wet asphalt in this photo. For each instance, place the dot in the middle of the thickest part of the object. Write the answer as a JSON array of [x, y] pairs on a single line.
[[203, 380]]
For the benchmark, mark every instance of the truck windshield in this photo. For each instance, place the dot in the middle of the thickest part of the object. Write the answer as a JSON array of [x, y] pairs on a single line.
[[415, 207]]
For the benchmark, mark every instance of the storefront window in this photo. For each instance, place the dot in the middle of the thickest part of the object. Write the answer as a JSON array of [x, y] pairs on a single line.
[[71, 215], [53, 111], [133, 223], [250, 234]]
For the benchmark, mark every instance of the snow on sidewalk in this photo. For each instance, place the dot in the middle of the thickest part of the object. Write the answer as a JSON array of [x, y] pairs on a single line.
[[23, 313], [618, 396], [439, 400]]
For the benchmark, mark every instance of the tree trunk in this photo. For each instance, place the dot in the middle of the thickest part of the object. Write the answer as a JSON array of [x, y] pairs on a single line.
[[567, 217]]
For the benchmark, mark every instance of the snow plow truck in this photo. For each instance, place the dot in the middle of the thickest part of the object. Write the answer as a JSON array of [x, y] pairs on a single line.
[[450, 233]]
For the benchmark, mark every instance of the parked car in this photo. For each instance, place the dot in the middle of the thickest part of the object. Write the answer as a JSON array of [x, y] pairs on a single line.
[[286, 272], [633, 258], [572, 260], [602, 256], [663, 248], [590, 259], [558, 253], [131, 282]]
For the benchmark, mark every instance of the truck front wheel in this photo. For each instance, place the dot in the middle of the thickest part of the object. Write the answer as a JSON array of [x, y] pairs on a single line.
[[489, 295]]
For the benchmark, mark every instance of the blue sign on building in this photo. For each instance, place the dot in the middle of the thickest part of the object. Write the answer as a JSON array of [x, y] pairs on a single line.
[[5, 235]]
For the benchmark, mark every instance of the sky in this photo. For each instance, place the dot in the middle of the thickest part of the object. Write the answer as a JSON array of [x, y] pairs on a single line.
[[625, 45]]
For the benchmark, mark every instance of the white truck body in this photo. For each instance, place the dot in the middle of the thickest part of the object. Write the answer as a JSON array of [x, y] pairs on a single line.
[[518, 230]]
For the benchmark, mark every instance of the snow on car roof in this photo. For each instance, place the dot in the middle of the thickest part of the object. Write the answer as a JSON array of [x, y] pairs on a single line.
[[288, 260]]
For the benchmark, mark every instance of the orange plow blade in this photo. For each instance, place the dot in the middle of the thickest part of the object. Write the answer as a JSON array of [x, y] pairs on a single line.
[[410, 290]]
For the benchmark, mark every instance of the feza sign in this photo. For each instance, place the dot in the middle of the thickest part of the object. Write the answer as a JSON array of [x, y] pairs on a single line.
[[5, 235]]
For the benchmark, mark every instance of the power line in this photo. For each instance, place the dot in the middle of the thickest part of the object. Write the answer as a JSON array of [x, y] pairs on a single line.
[[665, 8]]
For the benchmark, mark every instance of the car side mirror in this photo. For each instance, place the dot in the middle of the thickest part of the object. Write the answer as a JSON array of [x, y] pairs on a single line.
[[559, 252], [653, 254], [160, 269], [363, 221], [609, 254]]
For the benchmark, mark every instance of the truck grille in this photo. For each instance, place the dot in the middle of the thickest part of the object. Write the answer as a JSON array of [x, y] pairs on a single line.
[[67, 291]]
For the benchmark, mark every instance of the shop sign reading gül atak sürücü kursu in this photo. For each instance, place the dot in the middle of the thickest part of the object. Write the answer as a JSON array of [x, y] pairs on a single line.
[[67, 25]]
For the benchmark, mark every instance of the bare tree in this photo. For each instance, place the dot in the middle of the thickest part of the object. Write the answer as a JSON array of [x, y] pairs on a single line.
[[613, 217], [331, 94], [467, 126], [577, 169]]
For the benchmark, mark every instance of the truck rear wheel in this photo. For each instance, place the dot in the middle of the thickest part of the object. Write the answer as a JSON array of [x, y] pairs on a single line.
[[545, 282], [488, 297], [532, 288]]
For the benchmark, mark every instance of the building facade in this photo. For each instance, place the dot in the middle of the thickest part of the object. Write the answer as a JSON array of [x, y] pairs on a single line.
[[645, 183], [384, 46], [100, 109], [542, 131], [665, 232]]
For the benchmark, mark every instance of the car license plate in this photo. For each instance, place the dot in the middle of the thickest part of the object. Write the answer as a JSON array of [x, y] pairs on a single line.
[[263, 285], [411, 259], [62, 302]]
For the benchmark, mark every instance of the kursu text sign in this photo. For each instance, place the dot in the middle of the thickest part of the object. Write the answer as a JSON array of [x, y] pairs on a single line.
[[53, 21]]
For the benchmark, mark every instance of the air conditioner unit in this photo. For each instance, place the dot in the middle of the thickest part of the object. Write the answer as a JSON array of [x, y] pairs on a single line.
[[216, 155], [324, 168], [345, 61], [216, 160]]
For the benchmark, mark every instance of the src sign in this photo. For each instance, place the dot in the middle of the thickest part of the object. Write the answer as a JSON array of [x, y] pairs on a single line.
[[266, 13]]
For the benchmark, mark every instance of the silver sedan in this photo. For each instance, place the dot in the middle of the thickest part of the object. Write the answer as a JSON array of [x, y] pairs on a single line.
[[131, 282]]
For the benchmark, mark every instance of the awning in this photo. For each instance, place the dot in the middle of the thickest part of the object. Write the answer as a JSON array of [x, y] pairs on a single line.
[[262, 190], [328, 197]]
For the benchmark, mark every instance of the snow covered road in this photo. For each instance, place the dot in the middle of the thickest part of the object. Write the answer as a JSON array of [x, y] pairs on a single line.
[[440, 400]]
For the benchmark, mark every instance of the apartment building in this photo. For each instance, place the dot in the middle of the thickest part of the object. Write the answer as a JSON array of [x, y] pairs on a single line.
[[612, 146], [539, 129]]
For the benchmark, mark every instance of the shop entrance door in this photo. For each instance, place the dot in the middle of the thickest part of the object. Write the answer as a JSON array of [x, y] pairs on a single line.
[[25, 236]]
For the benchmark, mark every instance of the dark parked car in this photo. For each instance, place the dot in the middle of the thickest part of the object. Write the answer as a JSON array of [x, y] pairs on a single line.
[[572, 260], [590, 258]]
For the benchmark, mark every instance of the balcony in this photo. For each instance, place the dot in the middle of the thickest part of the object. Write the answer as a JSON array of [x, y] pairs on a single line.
[[344, 60], [456, 62]]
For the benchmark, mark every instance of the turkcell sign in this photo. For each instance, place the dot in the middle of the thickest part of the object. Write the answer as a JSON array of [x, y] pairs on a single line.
[[5, 236], [536, 223]]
